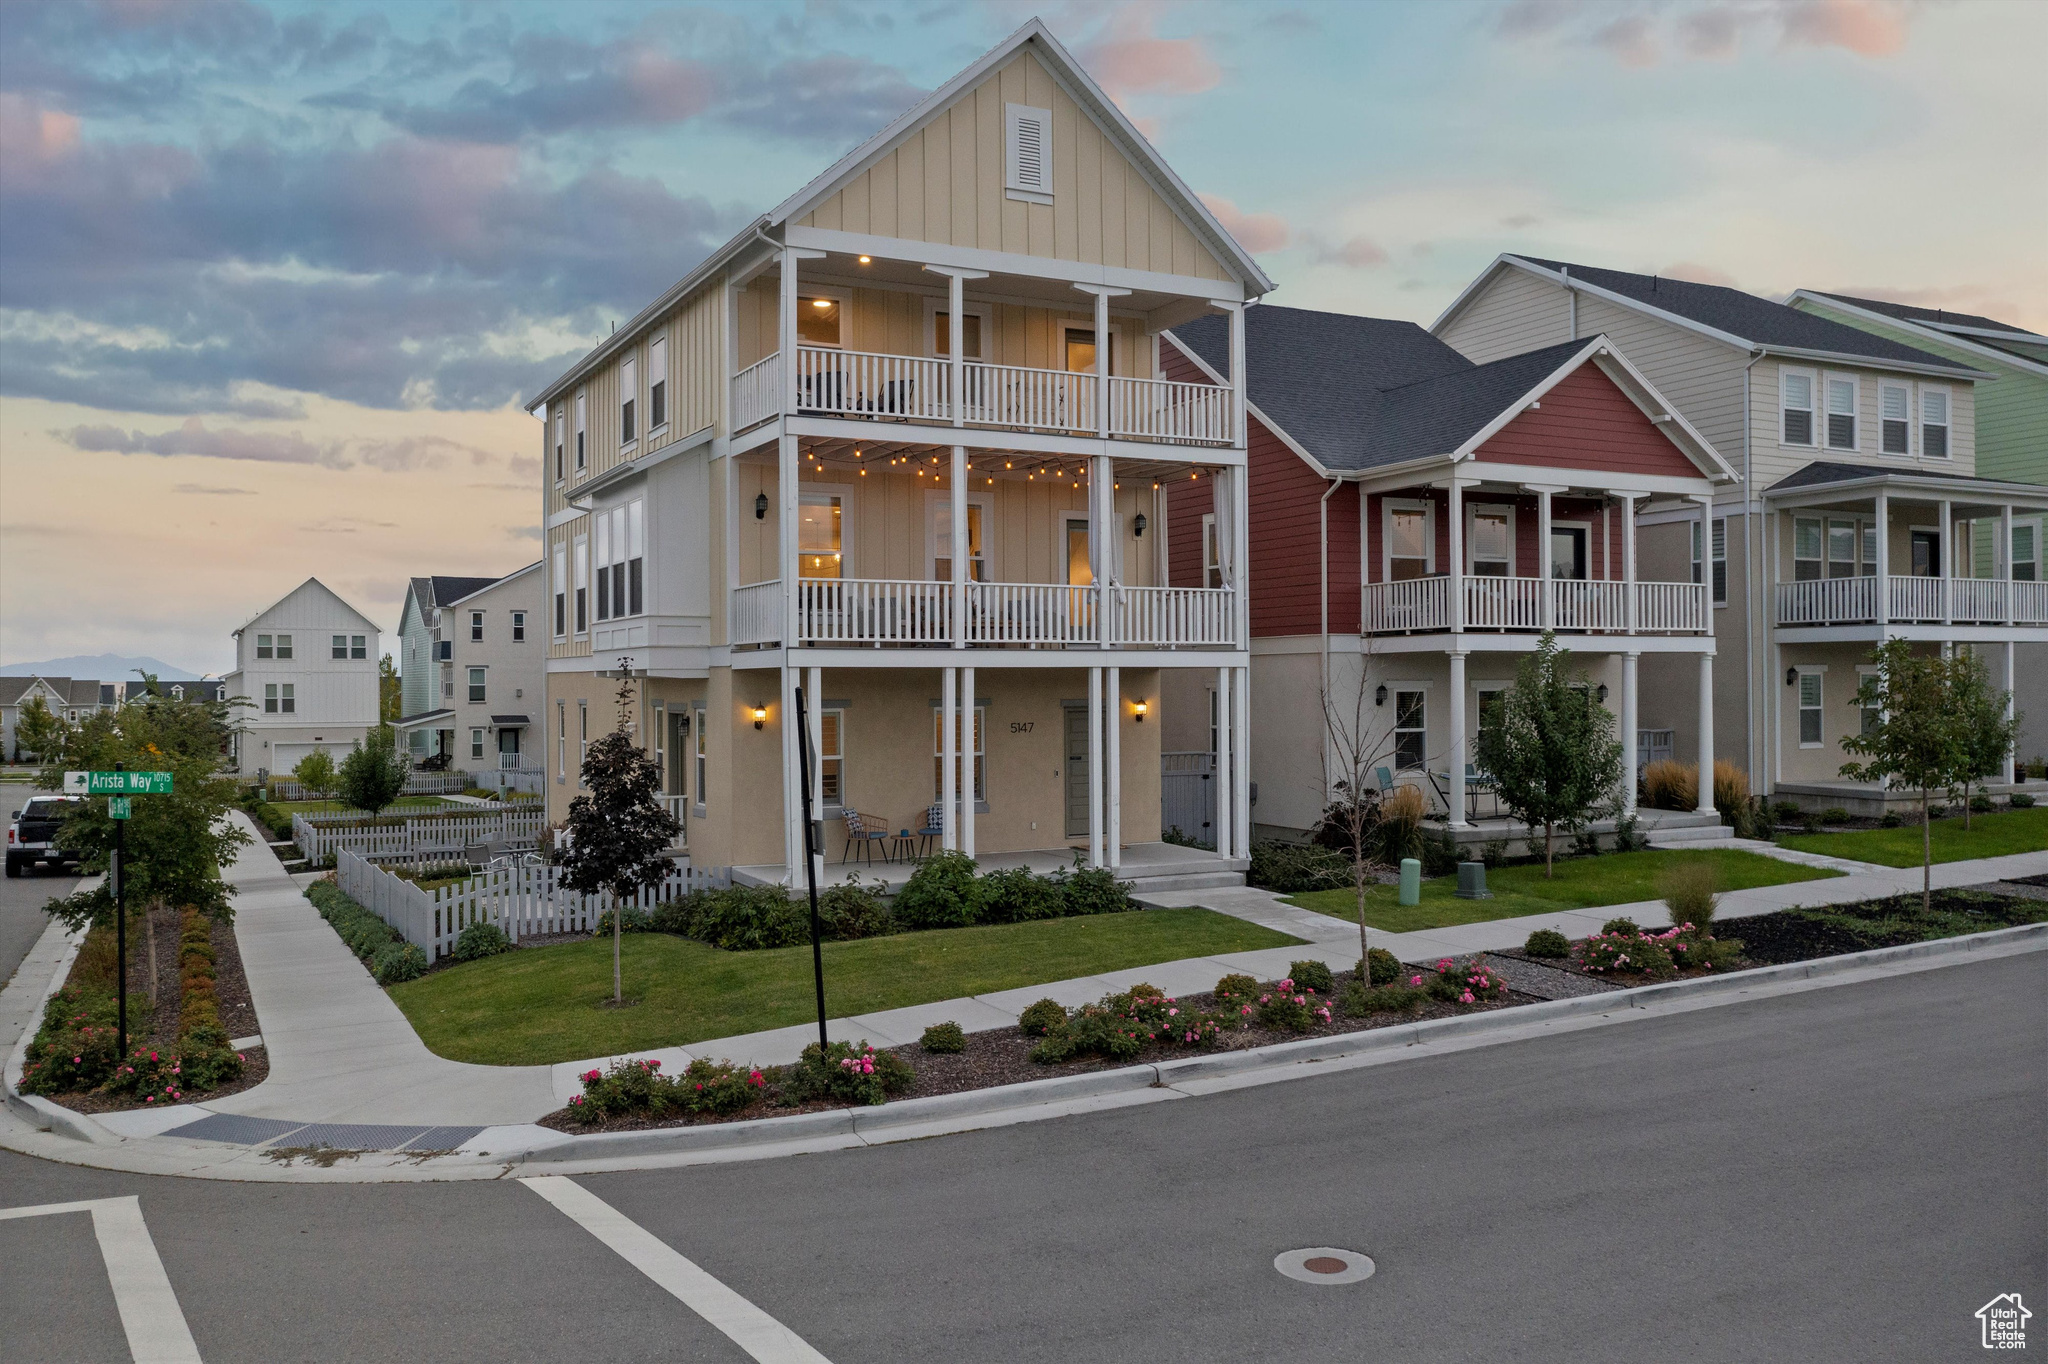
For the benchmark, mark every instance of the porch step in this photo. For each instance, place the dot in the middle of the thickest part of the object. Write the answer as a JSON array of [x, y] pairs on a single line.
[[1185, 881], [1698, 833]]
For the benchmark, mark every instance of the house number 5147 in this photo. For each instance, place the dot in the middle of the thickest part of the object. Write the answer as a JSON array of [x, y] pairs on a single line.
[[1021, 726]]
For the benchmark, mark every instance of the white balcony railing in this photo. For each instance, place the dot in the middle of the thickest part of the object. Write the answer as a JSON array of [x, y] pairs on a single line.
[[1913, 601], [870, 612], [757, 393], [679, 807], [1571, 605], [754, 615], [866, 384]]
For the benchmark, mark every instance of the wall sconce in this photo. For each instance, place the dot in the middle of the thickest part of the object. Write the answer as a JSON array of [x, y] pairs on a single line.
[[1601, 693], [1791, 677], [760, 506], [760, 716], [1379, 696], [1138, 525], [1140, 708]]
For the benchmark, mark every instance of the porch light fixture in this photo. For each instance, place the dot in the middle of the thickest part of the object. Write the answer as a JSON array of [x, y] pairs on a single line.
[[1379, 696], [821, 303], [760, 506], [1791, 677], [867, 260], [1140, 707], [760, 716], [1138, 525], [1600, 693]]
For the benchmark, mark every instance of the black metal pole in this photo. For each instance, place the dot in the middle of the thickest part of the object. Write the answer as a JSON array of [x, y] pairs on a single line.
[[121, 927], [803, 761]]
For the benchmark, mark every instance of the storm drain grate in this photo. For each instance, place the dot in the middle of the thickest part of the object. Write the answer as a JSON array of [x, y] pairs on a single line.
[[236, 1128], [1324, 1264], [356, 1136], [442, 1138]]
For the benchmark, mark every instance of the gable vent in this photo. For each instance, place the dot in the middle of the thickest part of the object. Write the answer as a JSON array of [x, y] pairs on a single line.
[[1029, 152]]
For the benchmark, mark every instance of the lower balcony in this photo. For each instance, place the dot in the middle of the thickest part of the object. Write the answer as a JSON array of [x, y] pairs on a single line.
[[1912, 601], [1532, 605], [875, 612]]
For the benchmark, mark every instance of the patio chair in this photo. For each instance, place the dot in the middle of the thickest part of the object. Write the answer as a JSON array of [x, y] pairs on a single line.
[[934, 830], [477, 856], [1383, 778], [859, 835]]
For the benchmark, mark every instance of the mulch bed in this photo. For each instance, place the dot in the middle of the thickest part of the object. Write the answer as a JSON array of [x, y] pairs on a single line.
[[1002, 1056]]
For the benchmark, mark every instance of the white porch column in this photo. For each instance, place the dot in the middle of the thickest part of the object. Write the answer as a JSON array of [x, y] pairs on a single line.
[[814, 724], [949, 766], [1706, 782], [786, 307], [956, 347], [1629, 752], [1237, 375], [1103, 352], [1223, 778], [1241, 761], [957, 612], [2007, 773], [1457, 582], [1948, 563], [1101, 550], [1095, 829], [967, 761], [1628, 577], [2003, 559], [1547, 591], [1457, 782], [1113, 765], [1884, 561]]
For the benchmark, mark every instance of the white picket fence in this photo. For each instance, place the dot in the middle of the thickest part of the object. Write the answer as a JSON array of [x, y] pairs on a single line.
[[421, 834], [416, 784], [523, 901]]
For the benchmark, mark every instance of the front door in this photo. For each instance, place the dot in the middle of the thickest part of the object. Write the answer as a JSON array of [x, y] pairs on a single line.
[[508, 743], [1568, 552], [1077, 771], [1927, 554]]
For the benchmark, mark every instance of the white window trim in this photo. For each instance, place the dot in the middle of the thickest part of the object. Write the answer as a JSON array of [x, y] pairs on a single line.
[[469, 681], [561, 445], [700, 756], [1473, 510], [1920, 422], [647, 383], [1912, 445], [1209, 543], [1855, 382], [582, 432], [1069, 326], [838, 294], [580, 582], [1394, 690], [563, 590], [1390, 505], [831, 807], [1816, 403], [630, 393], [816, 494], [1030, 190], [1062, 519], [1557, 524], [933, 307], [934, 500], [1817, 671]]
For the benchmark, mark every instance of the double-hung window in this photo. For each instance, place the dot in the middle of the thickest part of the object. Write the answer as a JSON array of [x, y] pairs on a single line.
[[832, 756], [1491, 537], [358, 646], [476, 743], [266, 646], [561, 592], [629, 379], [1934, 423], [621, 546], [1713, 563], [279, 698], [657, 386], [1212, 554], [519, 627], [820, 522], [582, 412], [1411, 729], [978, 753], [582, 738], [1868, 535], [1841, 548], [476, 627], [700, 754], [1868, 718], [582, 584], [2026, 551], [561, 741], [561, 421], [1408, 541], [1808, 546], [476, 684], [1795, 404], [1895, 419], [1809, 710], [270, 698], [284, 646], [341, 646], [1841, 391]]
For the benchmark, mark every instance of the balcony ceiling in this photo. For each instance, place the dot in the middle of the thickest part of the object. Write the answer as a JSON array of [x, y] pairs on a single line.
[[885, 273], [936, 461]]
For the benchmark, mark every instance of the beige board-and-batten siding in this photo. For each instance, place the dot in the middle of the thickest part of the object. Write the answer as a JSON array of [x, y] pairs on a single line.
[[945, 183]]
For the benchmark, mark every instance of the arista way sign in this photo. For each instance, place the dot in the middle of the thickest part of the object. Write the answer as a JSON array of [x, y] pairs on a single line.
[[117, 783]]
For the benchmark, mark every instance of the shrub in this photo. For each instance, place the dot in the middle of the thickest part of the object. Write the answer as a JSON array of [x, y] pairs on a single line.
[[1095, 890], [1236, 990], [398, 961], [1785, 811], [480, 940], [1671, 785], [1292, 1007], [1018, 895], [949, 1038], [1313, 975], [1042, 1019], [747, 918], [1980, 803], [1635, 952], [1688, 891], [76, 1047], [1455, 983], [1585, 842], [1834, 814], [1381, 967], [1495, 852], [941, 893], [1547, 942], [856, 1074], [1888, 820], [361, 931], [852, 910], [637, 1088], [1401, 815], [1121, 1025], [1620, 925], [1440, 854], [1293, 868], [2020, 800], [1629, 835], [632, 919], [1731, 789], [1333, 828], [720, 1086], [1359, 1002]]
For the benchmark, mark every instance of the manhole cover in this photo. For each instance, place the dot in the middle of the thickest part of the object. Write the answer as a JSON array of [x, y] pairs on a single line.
[[1324, 1264]]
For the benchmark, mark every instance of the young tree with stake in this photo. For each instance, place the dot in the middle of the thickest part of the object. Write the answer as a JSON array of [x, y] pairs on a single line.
[[373, 774], [1987, 732], [620, 832], [1360, 737], [1551, 749]]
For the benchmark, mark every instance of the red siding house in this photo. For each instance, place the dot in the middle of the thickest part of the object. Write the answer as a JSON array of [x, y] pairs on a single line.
[[1416, 523]]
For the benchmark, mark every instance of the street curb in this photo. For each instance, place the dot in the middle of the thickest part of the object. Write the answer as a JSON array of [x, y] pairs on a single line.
[[33, 1108]]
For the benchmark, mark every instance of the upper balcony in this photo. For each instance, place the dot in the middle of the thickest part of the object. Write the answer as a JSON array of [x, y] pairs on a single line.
[[1912, 601], [876, 612], [1532, 605]]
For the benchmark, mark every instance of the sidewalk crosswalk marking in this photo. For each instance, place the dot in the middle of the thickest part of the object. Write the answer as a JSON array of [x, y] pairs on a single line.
[[150, 1315], [760, 1335]]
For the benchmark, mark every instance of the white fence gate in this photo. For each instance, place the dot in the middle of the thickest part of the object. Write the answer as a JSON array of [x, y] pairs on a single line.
[[1187, 795], [523, 901]]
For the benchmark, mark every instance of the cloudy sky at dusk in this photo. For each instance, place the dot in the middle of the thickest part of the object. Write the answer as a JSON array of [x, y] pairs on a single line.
[[275, 277]]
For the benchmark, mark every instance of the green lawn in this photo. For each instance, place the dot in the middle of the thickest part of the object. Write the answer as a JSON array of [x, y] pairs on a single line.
[[540, 1006], [1581, 883], [335, 807], [1994, 835]]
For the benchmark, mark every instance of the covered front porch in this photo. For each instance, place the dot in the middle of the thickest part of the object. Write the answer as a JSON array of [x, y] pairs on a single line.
[[1152, 868]]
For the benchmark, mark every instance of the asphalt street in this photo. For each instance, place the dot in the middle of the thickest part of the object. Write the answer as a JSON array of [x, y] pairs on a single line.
[[22, 920], [1844, 1174]]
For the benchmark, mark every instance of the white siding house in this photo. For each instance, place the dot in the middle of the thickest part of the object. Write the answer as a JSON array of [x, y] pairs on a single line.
[[307, 666]]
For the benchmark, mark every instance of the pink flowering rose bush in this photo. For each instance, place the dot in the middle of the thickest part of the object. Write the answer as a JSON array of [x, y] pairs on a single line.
[[1292, 1007], [1121, 1025], [854, 1074], [636, 1088], [1621, 948], [1455, 982]]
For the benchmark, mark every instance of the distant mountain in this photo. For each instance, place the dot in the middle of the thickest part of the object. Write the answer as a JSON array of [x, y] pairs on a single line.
[[99, 667]]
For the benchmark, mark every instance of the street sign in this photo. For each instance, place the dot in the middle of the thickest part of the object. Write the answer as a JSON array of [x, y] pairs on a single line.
[[117, 807], [117, 783]]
